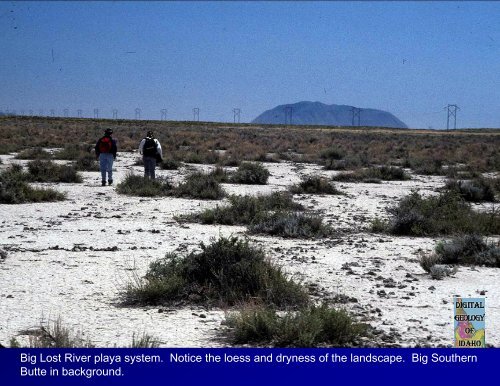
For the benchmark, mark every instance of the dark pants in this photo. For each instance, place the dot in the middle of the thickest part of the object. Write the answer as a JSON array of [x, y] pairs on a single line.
[[149, 167]]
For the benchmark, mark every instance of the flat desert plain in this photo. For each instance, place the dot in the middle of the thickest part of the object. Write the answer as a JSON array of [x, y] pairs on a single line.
[[72, 259]]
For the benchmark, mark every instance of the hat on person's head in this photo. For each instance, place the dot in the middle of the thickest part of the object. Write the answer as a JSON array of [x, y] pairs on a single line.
[[108, 131]]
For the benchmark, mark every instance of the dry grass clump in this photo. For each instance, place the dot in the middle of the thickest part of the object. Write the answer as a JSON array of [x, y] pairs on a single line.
[[54, 334], [144, 340]]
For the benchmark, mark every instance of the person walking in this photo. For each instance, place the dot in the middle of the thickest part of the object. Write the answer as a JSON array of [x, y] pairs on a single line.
[[151, 152], [105, 151]]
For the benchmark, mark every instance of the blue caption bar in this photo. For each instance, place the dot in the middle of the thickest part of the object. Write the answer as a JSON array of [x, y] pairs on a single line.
[[251, 366]]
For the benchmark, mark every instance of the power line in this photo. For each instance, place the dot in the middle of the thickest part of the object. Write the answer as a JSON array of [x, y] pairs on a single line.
[[288, 115], [236, 114], [356, 113], [452, 113]]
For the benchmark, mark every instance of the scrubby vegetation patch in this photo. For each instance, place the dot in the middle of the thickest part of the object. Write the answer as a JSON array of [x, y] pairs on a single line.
[[228, 271]]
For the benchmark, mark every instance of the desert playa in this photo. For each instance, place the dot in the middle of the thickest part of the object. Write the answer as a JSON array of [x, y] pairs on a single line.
[[72, 259]]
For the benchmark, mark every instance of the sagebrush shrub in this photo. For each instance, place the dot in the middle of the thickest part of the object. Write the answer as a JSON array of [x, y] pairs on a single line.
[[135, 185], [250, 173], [290, 225], [314, 185], [48, 171], [227, 271], [201, 186], [14, 188], [475, 190], [313, 326], [446, 213], [34, 153], [243, 210]]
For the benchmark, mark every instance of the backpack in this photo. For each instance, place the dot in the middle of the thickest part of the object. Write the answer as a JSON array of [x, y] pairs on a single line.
[[105, 145], [149, 148]]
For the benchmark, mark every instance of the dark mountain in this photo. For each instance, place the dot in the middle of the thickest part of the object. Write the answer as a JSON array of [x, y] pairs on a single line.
[[317, 113]]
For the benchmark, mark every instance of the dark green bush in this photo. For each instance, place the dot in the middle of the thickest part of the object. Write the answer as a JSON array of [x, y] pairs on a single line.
[[15, 190], [290, 225], [314, 185], [444, 214], [48, 171], [228, 271], [313, 326], [135, 185], [200, 186], [243, 210], [250, 173]]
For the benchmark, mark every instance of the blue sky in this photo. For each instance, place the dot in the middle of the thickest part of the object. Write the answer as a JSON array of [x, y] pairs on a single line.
[[409, 58]]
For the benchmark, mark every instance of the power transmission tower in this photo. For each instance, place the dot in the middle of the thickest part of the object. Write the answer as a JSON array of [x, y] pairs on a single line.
[[288, 115], [22, 112], [115, 113], [79, 113], [163, 113], [137, 113], [96, 113], [66, 113], [452, 112], [41, 112], [52, 112], [196, 114], [31, 113], [236, 115], [356, 113]]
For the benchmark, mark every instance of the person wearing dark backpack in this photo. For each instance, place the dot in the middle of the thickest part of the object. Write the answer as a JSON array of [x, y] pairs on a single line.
[[105, 152], [151, 152]]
